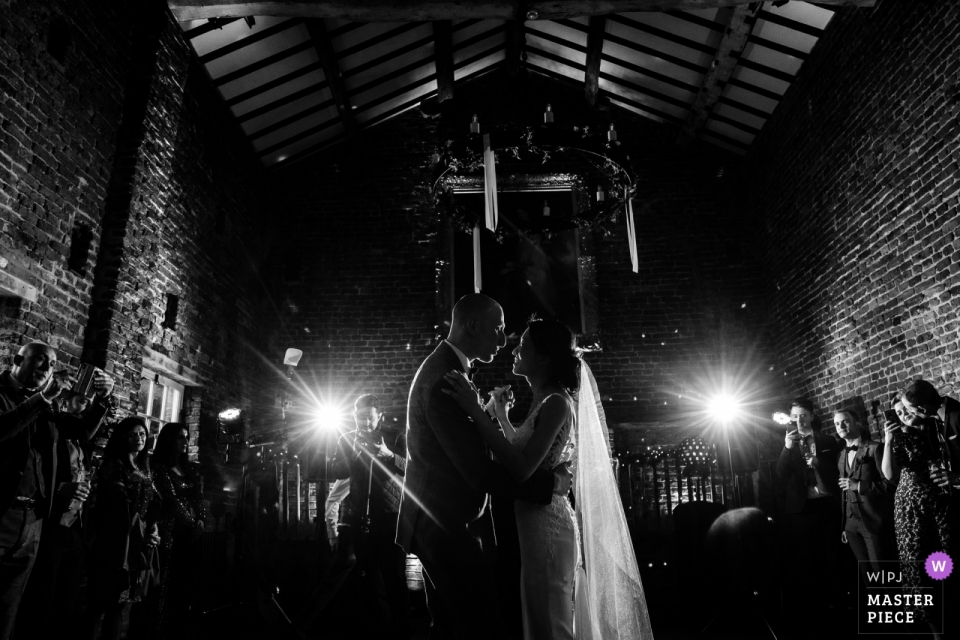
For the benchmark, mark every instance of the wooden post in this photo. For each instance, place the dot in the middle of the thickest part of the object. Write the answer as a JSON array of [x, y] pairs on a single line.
[[598, 25], [443, 53]]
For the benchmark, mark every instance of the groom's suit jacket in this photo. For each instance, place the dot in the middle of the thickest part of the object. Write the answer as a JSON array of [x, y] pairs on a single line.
[[449, 471]]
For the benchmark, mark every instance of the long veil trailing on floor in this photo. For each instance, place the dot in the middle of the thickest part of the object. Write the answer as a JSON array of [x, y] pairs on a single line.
[[610, 602]]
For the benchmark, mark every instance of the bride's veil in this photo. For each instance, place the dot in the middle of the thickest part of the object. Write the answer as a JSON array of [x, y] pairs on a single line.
[[609, 595]]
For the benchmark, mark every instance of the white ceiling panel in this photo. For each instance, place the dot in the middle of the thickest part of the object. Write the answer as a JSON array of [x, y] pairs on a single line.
[[479, 65]]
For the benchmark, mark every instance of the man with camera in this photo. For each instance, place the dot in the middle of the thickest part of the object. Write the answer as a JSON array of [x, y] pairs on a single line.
[[50, 601], [373, 459], [30, 427], [808, 470]]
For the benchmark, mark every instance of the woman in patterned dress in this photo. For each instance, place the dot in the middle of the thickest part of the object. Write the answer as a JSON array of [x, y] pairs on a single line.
[[920, 507], [181, 524], [122, 564]]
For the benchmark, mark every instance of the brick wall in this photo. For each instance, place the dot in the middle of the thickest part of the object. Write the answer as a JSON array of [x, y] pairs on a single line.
[[858, 185], [365, 308], [59, 116], [352, 281], [128, 134]]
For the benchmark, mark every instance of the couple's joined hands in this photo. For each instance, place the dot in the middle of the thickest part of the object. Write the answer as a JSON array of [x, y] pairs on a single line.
[[468, 396], [500, 402]]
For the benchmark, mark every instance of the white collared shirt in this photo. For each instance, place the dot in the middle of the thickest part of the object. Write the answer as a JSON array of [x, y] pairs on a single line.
[[463, 359]]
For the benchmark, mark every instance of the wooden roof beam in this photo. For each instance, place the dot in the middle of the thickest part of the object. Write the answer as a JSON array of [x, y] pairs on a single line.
[[516, 39], [331, 69], [591, 79], [430, 10], [443, 50], [724, 62]]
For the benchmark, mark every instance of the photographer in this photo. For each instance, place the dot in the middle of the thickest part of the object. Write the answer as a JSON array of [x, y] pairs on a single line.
[[373, 459], [29, 423], [808, 470], [50, 602]]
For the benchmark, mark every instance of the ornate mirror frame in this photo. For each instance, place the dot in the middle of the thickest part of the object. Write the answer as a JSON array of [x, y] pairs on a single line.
[[453, 221]]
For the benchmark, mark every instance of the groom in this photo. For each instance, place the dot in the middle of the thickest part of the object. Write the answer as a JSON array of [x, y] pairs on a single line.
[[449, 473]]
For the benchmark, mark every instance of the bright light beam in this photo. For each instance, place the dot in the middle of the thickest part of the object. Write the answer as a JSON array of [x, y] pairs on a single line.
[[724, 408], [329, 417]]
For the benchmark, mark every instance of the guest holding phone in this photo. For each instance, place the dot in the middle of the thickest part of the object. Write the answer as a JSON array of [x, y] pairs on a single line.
[[920, 506]]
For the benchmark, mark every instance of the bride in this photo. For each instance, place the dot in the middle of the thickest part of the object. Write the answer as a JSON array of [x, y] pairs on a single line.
[[564, 594]]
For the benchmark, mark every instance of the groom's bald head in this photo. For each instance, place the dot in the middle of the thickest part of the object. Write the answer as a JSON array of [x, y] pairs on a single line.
[[477, 327], [473, 306]]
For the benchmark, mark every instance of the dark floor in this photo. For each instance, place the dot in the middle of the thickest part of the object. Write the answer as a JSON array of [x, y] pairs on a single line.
[[743, 624]]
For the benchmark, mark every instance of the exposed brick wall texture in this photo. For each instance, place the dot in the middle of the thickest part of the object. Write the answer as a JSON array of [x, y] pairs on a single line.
[[196, 228], [361, 306], [128, 135], [58, 131], [858, 185]]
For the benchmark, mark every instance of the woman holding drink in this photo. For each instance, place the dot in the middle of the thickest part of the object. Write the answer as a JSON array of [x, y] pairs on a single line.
[[920, 513]]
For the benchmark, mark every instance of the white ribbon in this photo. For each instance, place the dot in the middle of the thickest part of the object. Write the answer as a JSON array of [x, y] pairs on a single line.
[[477, 273], [489, 186], [632, 236]]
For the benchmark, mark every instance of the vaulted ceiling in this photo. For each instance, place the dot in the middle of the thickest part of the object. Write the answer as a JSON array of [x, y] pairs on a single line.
[[298, 83]]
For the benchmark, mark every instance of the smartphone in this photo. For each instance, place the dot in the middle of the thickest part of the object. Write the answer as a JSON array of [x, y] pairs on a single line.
[[891, 416], [85, 378]]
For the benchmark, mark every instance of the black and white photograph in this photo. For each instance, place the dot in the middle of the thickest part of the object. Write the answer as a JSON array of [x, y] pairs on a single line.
[[492, 320]]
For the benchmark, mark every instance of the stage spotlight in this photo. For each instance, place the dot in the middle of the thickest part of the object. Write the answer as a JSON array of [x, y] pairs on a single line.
[[723, 407], [329, 417], [229, 416], [229, 429]]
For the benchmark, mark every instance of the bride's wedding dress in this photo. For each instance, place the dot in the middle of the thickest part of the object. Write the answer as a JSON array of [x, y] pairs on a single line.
[[597, 595], [549, 546]]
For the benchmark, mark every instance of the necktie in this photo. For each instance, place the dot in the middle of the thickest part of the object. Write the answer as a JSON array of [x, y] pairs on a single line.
[[852, 447]]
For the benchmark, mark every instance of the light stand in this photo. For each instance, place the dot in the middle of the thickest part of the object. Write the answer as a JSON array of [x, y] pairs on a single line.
[[291, 358], [733, 476]]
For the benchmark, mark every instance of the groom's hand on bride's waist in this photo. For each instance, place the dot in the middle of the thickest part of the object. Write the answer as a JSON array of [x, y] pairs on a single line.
[[562, 479]]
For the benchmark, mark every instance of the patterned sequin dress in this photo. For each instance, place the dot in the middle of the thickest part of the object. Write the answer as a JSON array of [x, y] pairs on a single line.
[[920, 512], [549, 545], [122, 569], [182, 509]]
